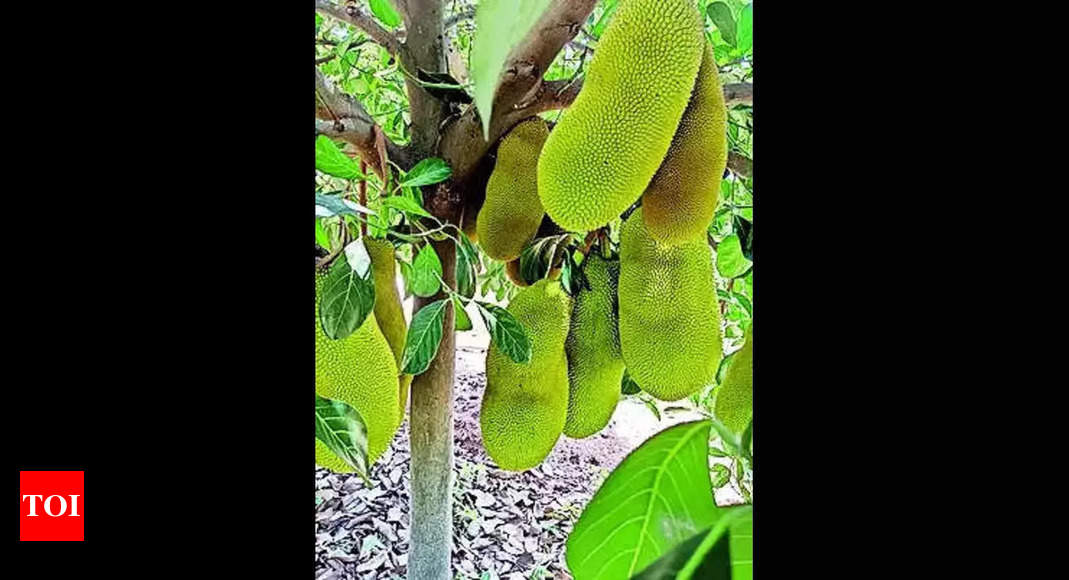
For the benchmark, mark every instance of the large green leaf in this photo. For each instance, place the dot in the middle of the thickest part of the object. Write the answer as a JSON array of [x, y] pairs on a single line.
[[461, 320], [466, 263], [341, 428], [720, 14], [348, 295], [332, 205], [426, 272], [424, 337], [745, 29], [427, 172], [657, 498], [406, 205], [385, 12], [506, 333], [719, 553], [499, 26], [729, 259], [331, 160]]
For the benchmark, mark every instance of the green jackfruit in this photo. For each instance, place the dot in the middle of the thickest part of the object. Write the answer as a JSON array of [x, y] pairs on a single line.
[[669, 313], [512, 212], [388, 311], [601, 156], [360, 370], [524, 405], [595, 365], [734, 398], [680, 201]]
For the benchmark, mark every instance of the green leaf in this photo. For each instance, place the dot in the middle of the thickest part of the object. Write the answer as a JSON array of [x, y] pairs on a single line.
[[385, 13], [628, 386], [729, 259], [426, 172], [506, 333], [720, 475], [406, 205], [424, 336], [709, 555], [720, 14], [465, 268], [716, 452], [499, 26], [348, 297], [322, 239], [426, 272], [745, 29], [341, 428], [603, 21], [461, 320], [657, 498], [332, 205], [741, 545], [330, 160]]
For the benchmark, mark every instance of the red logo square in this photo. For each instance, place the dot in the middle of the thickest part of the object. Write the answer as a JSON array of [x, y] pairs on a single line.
[[52, 506]]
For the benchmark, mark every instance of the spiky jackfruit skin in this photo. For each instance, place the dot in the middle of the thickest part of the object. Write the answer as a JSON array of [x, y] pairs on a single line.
[[680, 201], [601, 156], [512, 212], [734, 398], [595, 365], [360, 370], [524, 405], [669, 314], [388, 311]]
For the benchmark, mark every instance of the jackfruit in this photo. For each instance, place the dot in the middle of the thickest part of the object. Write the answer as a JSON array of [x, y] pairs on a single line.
[[595, 365], [360, 370], [734, 397], [524, 405], [680, 201], [602, 154], [669, 313], [512, 212], [388, 311]]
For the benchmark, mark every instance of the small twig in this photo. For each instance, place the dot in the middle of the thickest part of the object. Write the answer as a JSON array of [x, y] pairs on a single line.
[[327, 58], [352, 14]]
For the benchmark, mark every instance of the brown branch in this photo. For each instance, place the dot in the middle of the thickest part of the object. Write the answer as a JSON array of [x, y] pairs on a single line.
[[462, 144], [352, 14], [340, 115], [738, 94], [740, 164]]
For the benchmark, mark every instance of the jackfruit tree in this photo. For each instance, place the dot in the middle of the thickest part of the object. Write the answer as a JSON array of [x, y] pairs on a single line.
[[578, 173]]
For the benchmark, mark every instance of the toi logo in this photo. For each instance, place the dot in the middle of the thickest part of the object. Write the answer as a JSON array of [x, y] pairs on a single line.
[[51, 506]]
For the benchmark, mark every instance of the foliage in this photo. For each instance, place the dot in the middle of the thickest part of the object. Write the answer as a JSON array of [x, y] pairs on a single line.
[[352, 202]]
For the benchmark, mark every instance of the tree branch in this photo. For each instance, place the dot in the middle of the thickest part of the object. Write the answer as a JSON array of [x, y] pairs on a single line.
[[340, 115], [738, 94], [352, 14], [462, 144], [740, 164]]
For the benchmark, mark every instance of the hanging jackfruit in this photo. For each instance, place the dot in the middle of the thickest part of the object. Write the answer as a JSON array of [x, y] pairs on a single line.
[[595, 365], [524, 405], [680, 201], [360, 370], [602, 154], [512, 212], [388, 311], [669, 314], [734, 397]]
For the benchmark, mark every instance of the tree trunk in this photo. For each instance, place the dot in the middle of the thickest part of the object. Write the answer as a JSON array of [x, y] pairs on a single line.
[[431, 440]]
